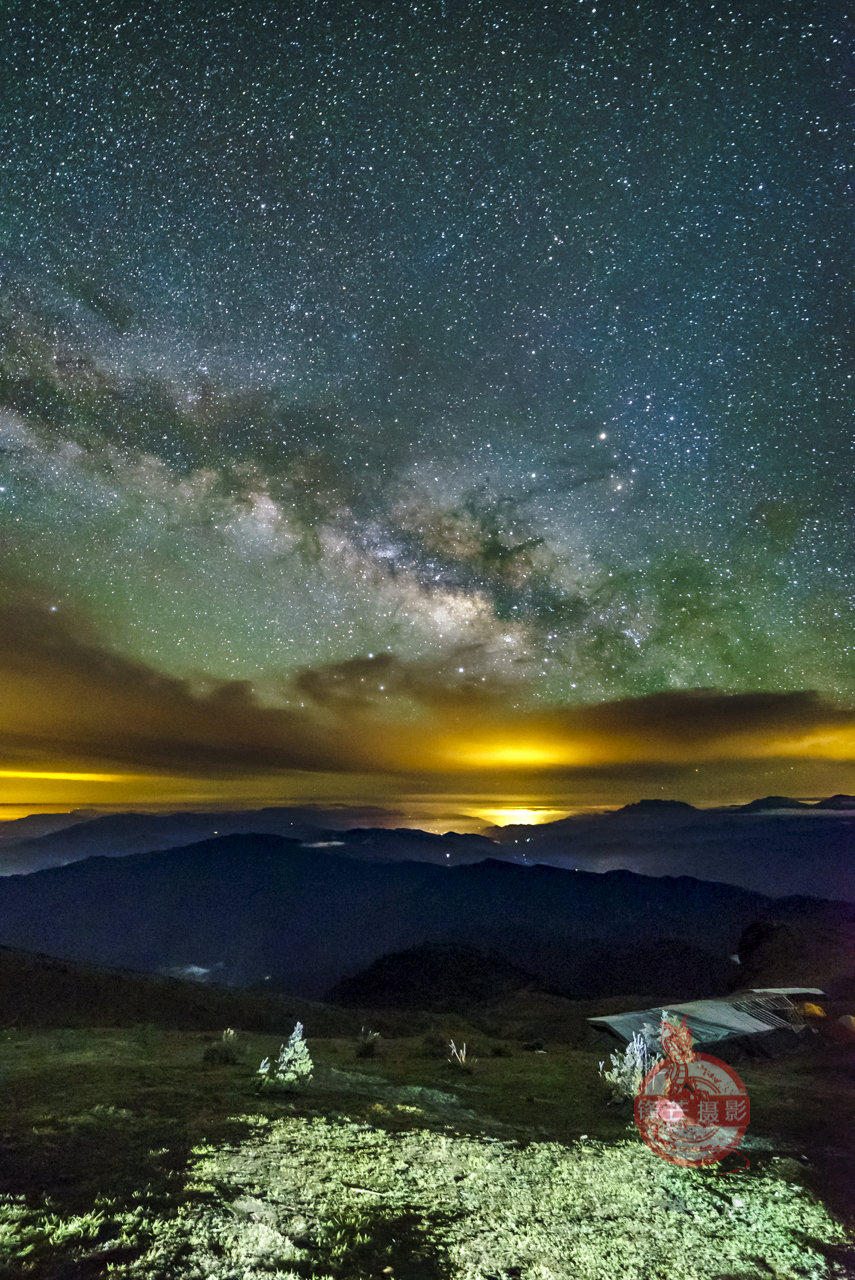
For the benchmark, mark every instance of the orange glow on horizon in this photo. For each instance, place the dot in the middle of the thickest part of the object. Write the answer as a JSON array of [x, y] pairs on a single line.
[[56, 775], [835, 744], [519, 817], [525, 754]]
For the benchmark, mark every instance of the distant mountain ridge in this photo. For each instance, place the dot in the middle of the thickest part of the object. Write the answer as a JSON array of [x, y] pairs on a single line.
[[655, 807], [120, 834], [774, 845], [769, 803]]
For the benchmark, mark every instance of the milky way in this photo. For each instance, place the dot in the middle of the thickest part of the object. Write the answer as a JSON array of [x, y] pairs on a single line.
[[511, 345]]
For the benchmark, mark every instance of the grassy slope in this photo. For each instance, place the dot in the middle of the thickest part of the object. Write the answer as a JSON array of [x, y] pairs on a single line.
[[398, 1161], [44, 991]]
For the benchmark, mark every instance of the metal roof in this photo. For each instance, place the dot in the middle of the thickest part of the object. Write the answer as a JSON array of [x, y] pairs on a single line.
[[753, 1013], [792, 991]]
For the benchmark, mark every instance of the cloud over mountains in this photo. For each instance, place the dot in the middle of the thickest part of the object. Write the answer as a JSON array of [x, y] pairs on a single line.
[[70, 699]]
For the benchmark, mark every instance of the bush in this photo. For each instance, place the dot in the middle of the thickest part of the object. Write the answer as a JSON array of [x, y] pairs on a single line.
[[219, 1055], [224, 1052], [627, 1073], [366, 1042]]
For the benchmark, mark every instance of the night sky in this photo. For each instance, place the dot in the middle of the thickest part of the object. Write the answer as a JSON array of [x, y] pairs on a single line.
[[428, 400]]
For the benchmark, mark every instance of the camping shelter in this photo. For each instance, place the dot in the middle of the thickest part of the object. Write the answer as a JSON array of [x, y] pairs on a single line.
[[761, 1022]]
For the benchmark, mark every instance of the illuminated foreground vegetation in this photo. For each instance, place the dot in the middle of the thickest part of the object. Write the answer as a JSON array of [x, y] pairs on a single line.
[[402, 1166], [330, 1198]]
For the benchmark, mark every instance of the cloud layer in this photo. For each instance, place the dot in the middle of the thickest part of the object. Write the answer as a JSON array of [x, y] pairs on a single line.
[[71, 702]]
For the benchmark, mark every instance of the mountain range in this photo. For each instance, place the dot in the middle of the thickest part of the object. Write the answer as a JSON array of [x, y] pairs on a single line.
[[775, 845], [27, 847], [265, 911]]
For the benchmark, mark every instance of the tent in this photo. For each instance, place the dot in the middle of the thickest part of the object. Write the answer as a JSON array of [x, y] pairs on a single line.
[[760, 1022]]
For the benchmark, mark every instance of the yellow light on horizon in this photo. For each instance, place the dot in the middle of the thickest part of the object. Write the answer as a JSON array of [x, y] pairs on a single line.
[[519, 817], [52, 775], [510, 755], [834, 744]]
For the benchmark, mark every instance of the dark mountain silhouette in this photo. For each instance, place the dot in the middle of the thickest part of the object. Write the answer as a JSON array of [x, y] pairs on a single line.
[[41, 824], [656, 809], [408, 844], [119, 834], [433, 976], [821, 950], [773, 802], [263, 909], [806, 851], [448, 976]]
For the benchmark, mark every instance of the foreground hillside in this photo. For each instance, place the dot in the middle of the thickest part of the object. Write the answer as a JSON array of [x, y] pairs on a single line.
[[146, 1150], [44, 991], [334, 1197], [130, 1154]]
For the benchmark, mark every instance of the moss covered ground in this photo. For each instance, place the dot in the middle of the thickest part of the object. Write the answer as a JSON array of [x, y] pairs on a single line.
[[123, 1152]]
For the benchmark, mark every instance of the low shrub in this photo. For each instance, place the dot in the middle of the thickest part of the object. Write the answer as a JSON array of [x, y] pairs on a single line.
[[366, 1042], [224, 1052], [461, 1057]]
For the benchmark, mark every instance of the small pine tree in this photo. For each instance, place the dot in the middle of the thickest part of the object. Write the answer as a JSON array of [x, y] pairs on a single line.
[[292, 1068], [627, 1072]]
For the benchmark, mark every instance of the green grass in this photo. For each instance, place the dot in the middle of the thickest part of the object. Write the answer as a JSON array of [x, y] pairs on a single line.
[[123, 1153]]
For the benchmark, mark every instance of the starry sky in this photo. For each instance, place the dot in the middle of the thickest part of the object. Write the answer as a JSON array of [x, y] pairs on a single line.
[[425, 402]]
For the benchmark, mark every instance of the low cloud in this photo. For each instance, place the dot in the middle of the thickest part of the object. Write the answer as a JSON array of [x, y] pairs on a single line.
[[71, 702], [380, 681], [708, 723], [69, 698]]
